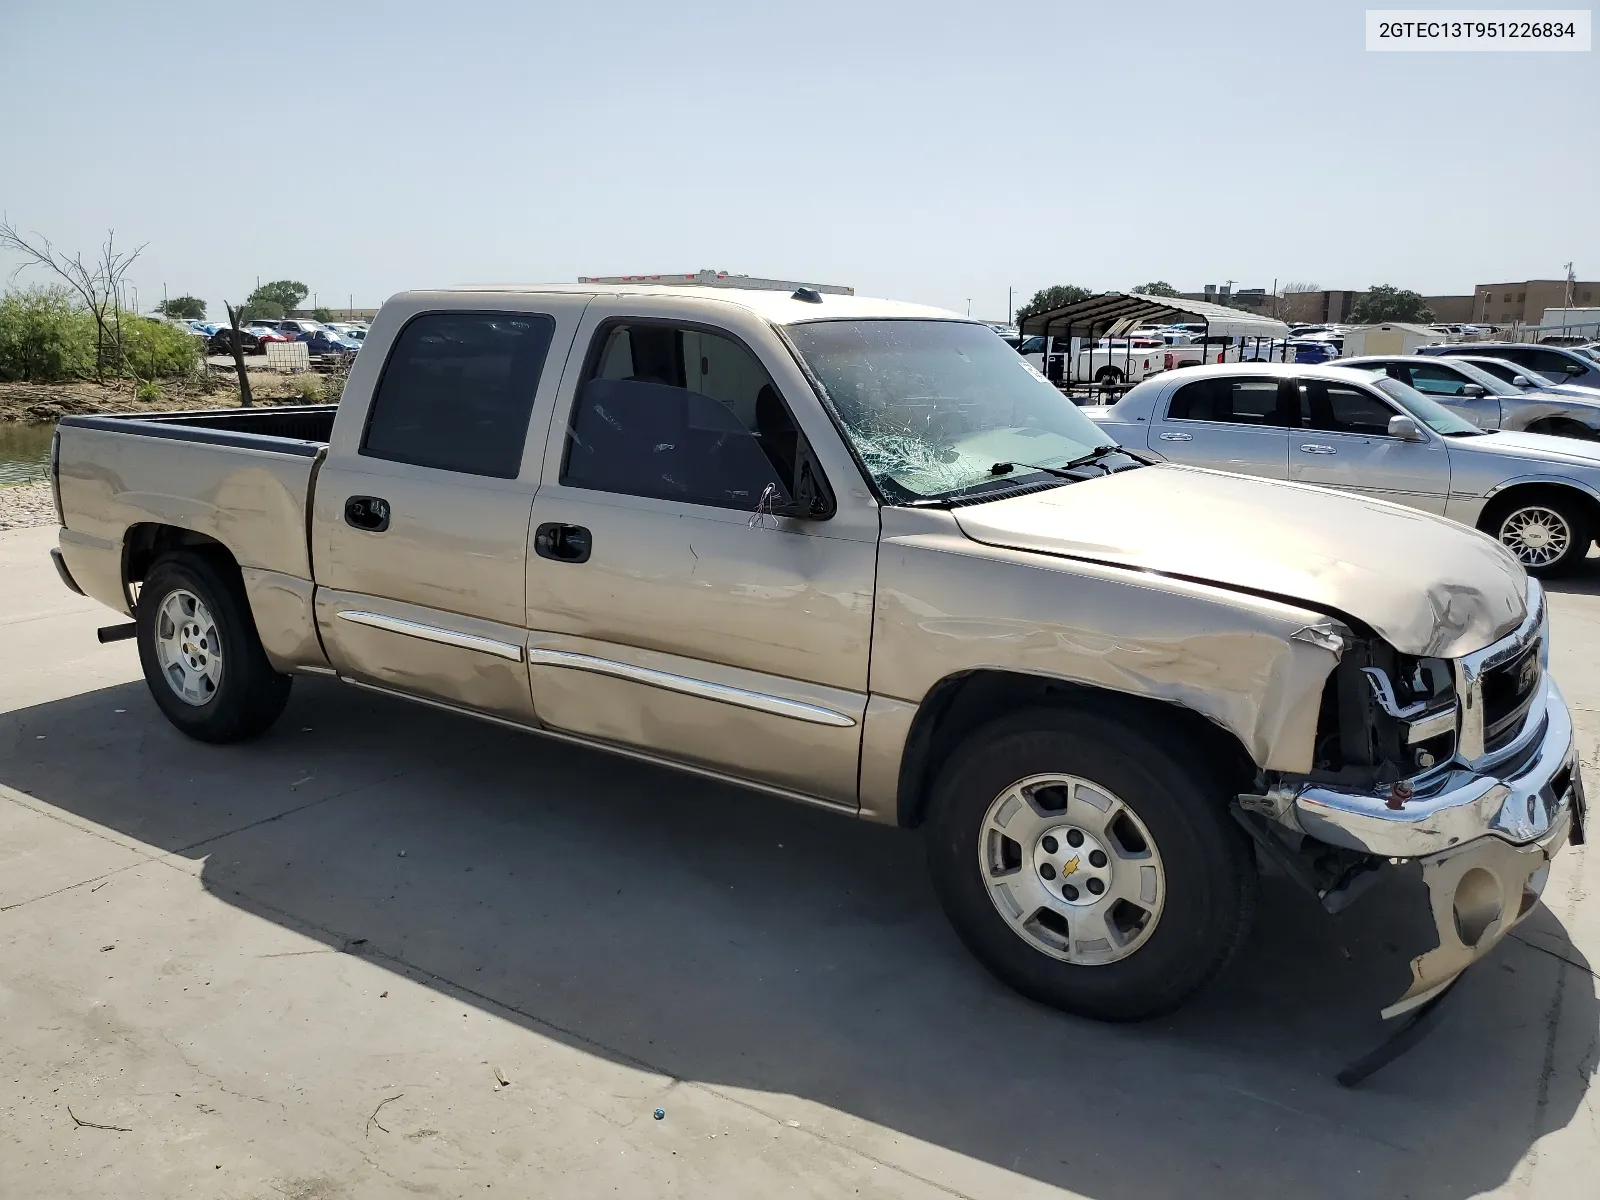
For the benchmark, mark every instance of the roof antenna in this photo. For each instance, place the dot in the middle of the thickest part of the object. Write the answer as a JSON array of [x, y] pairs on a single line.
[[807, 295]]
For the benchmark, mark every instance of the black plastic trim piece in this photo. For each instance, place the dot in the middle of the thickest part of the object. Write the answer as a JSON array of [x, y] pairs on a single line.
[[61, 570], [170, 429]]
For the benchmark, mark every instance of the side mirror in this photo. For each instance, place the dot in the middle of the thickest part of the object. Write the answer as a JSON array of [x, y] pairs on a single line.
[[1573, 369], [1405, 428], [1521, 381], [1474, 390]]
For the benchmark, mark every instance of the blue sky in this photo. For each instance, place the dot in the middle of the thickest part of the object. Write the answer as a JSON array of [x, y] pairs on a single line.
[[930, 152]]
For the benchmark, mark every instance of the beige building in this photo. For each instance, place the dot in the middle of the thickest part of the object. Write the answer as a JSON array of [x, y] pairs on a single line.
[[1524, 303]]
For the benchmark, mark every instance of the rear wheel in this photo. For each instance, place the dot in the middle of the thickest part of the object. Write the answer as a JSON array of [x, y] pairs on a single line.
[[1549, 532], [1090, 868], [202, 658]]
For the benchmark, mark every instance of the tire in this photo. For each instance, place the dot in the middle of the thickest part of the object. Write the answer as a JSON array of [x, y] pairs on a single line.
[[188, 605], [1189, 923], [1108, 375], [1547, 530]]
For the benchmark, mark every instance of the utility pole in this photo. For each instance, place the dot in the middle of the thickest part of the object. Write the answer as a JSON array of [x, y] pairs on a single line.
[[1009, 321], [1571, 279], [969, 306]]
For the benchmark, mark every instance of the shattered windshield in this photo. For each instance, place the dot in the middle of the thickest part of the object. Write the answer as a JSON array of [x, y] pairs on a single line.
[[933, 406]]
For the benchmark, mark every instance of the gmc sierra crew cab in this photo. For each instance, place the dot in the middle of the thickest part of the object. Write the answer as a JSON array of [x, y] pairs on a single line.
[[858, 554]]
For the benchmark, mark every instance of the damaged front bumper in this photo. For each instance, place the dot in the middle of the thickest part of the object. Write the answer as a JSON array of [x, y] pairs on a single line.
[[1483, 837]]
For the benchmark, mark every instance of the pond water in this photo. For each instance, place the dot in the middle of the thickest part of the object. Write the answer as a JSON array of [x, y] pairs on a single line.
[[25, 451]]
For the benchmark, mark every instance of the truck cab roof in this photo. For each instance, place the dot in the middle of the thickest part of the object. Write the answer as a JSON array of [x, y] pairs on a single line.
[[780, 308]]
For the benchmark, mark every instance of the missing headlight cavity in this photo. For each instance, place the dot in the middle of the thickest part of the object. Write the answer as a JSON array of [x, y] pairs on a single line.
[[1364, 723]]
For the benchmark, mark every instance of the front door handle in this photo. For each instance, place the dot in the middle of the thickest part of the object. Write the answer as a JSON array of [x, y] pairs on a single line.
[[369, 513], [1177, 437], [1313, 448], [563, 543]]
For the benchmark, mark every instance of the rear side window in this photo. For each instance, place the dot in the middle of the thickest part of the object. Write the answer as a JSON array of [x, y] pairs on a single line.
[[457, 392], [684, 414], [1232, 401]]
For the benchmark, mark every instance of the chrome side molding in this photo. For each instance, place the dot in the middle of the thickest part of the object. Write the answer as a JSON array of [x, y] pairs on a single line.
[[720, 692], [432, 633]]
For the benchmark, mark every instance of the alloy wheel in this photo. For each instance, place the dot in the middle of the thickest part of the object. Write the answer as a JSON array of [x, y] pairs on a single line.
[[188, 647], [1537, 535], [1072, 869]]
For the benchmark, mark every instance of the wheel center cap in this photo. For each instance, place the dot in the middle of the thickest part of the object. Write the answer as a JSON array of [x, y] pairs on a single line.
[[1073, 865]]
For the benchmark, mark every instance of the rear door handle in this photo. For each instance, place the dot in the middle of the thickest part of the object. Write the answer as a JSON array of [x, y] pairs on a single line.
[[370, 513], [1313, 448], [563, 543], [1177, 437]]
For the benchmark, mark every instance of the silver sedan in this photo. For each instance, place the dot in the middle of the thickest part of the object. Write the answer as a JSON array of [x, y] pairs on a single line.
[[1488, 402], [1361, 431]]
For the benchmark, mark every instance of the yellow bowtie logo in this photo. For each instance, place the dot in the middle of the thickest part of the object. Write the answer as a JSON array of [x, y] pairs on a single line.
[[1070, 866]]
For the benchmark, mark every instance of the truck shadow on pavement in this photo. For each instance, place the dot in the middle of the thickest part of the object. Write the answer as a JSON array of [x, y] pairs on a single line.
[[732, 940]]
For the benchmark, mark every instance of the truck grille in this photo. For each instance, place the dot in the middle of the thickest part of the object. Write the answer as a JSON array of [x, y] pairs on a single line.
[[1508, 691]]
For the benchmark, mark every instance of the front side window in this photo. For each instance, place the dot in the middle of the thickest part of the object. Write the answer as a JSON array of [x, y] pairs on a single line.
[[677, 413], [1436, 381], [1231, 401], [933, 407], [457, 392], [1340, 408]]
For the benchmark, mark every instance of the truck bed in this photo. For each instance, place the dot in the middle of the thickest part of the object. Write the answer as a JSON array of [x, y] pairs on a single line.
[[240, 477], [305, 428]]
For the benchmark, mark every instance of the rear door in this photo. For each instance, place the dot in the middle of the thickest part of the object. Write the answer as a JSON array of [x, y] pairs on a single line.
[[421, 511], [1230, 423], [1344, 442]]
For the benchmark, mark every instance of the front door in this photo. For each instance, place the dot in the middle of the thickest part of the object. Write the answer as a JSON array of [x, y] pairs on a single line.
[[1231, 423], [421, 516], [668, 610], [1344, 442]]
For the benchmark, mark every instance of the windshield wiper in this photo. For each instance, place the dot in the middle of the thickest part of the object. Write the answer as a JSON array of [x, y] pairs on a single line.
[[1064, 471]]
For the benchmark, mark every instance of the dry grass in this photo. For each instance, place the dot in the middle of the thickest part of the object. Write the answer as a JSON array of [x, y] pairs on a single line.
[[47, 401]]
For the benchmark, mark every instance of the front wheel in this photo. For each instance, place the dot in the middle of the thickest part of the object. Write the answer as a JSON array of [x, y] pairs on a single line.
[[201, 655], [1088, 869], [1548, 532]]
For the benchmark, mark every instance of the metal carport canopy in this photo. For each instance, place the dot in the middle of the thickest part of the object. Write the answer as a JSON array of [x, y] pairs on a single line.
[[1120, 311]]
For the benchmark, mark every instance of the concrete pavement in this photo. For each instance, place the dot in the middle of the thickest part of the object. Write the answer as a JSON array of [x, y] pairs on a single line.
[[302, 967]]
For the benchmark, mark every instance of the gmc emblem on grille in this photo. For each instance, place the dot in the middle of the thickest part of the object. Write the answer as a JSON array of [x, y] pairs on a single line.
[[1528, 675]]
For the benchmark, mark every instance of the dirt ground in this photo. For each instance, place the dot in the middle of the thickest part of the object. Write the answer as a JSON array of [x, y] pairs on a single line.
[[47, 401]]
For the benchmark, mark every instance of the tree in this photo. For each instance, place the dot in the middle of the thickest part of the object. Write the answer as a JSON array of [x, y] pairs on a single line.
[[282, 295], [98, 284], [322, 314], [1159, 288], [1384, 302], [1048, 298], [184, 308], [236, 319]]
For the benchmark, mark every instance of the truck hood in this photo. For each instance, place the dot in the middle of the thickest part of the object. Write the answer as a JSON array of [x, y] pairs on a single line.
[[1428, 586]]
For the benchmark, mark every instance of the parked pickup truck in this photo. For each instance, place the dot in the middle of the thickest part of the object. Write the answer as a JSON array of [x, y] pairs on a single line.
[[854, 553]]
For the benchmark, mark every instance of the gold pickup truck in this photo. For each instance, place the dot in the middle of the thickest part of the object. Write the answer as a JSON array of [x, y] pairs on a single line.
[[859, 554]]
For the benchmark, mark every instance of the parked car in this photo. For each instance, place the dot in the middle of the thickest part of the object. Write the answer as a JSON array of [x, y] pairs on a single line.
[[325, 341], [221, 342], [1488, 402], [267, 332], [299, 328], [1339, 428], [1527, 379], [795, 541], [1557, 362]]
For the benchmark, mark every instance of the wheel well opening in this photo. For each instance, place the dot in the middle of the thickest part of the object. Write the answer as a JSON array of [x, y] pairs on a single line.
[[961, 703], [1524, 493], [148, 541]]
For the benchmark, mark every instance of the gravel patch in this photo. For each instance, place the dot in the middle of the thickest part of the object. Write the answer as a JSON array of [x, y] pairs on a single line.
[[26, 506]]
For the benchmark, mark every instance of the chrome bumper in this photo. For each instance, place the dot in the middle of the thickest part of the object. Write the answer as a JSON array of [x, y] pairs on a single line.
[[1517, 802]]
